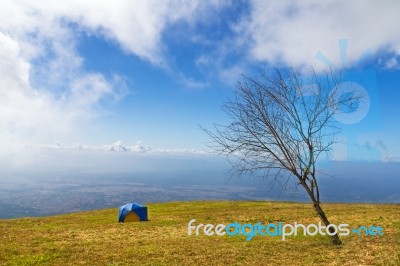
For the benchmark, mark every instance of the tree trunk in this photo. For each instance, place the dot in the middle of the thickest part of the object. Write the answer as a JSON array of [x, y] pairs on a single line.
[[334, 238]]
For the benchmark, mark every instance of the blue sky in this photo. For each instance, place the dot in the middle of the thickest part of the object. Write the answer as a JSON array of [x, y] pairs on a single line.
[[141, 76]]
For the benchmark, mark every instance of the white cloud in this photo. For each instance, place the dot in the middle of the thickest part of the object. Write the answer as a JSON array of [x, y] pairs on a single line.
[[392, 63], [231, 75], [191, 83], [117, 146], [44, 89], [294, 31], [47, 30], [137, 26], [22, 109], [29, 112], [391, 158], [80, 159], [140, 147]]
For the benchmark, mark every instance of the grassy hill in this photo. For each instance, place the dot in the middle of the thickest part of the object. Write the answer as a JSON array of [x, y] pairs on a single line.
[[95, 237]]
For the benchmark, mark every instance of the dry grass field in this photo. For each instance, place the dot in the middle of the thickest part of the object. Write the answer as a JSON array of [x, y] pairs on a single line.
[[95, 237]]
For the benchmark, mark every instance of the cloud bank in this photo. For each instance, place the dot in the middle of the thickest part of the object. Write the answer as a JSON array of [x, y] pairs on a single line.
[[47, 94], [283, 32], [45, 90]]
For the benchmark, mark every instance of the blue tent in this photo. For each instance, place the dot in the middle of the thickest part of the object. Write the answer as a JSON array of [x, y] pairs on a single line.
[[132, 212]]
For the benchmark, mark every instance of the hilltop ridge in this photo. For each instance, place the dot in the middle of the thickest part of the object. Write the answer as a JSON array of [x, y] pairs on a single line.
[[96, 238]]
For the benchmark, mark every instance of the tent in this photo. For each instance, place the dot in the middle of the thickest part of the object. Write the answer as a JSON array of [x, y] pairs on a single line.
[[132, 212]]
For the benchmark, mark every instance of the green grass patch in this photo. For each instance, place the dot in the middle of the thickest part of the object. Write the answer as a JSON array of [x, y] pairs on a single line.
[[96, 238]]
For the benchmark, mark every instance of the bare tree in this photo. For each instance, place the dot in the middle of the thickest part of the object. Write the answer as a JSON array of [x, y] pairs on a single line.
[[280, 124]]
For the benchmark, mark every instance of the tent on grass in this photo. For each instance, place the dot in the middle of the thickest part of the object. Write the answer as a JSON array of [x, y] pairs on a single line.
[[132, 212]]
